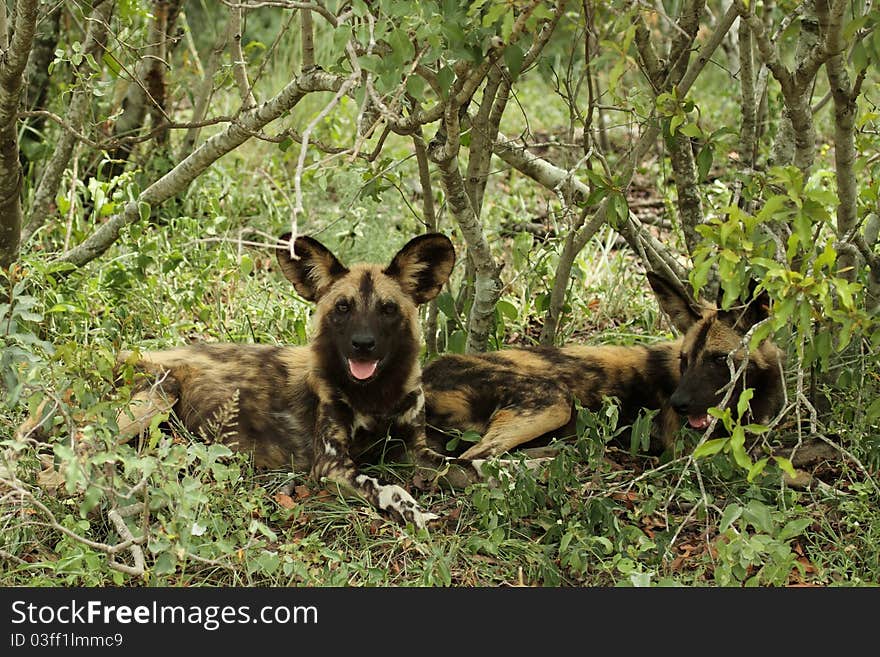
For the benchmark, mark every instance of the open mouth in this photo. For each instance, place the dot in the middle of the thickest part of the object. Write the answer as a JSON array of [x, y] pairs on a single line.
[[699, 422], [362, 370]]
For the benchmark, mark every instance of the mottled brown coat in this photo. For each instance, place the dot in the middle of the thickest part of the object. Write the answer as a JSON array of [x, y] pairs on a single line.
[[322, 408], [514, 396]]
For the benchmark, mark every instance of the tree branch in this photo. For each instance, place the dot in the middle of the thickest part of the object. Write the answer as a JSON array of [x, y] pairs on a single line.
[[178, 179], [239, 66]]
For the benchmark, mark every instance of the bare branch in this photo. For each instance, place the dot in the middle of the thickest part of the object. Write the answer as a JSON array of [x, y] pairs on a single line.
[[767, 49], [308, 39], [16, 53], [203, 97], [239, 65], [177, 180], [317, 7], [298, 208]]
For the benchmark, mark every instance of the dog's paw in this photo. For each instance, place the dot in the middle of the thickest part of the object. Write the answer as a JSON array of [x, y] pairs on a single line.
[[400, 503]]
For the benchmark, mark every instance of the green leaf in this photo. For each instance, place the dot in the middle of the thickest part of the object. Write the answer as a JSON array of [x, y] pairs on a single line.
[[401, 45], [415, 86], [730, 515], [91, 498], [112, 64], [617, 210], [144, 210], [513, 59], [165, 563], [246, 266], [446, 305], [371, 63], [823, 347], [826, 259], [758, 515], [257, 526], [606, 544], [785, 465], [738, 449], [507, 26], [794, 528], [873, 412], [743, 404], [471, 436], [445, 76], [710, 447], [691, 130], [456, 342], [507, 309], [704, 161], [802, 227], [773, 206], [218, 450], [756, 469], [564, 542]]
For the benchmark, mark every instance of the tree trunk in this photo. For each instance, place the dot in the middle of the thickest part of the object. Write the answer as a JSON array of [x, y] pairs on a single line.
[[12, 67], [748, 141], [690, 206], [80, 104], [844, 95], [146, 95], [37, 72], [430, 219], [487, 283]]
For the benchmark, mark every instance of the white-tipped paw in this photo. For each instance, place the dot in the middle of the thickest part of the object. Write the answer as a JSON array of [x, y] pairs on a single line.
[[398, 501]]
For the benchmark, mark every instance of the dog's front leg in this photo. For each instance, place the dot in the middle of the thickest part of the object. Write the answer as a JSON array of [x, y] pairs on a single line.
[[410, 429], [332, 461]]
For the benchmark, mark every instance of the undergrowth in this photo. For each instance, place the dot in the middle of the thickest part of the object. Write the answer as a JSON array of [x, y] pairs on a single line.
[[194, 513]]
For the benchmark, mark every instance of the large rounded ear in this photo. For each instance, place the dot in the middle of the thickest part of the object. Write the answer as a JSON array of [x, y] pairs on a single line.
[[682, 310], [313, 270], [423, 266], [754, 310]]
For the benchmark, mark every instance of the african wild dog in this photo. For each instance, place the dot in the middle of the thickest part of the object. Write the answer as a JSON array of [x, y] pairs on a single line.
[[513, 396], [318, 408]]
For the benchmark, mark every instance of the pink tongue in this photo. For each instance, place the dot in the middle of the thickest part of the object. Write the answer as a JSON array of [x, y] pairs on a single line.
[[699, 422], [362, 369]]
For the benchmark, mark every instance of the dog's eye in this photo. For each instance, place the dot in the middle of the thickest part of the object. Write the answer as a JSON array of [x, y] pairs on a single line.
[[721, 359], [388, 308], [342, 306]]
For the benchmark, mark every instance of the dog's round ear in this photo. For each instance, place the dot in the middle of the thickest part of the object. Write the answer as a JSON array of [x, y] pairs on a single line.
[[312, 268], [423, 266]]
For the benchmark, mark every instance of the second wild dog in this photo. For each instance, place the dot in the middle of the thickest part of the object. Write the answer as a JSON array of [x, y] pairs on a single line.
[[318, 408], [513, 396]]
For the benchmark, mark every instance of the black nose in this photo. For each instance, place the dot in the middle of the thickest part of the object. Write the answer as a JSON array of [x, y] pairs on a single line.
[[679, 403], [363, 343]]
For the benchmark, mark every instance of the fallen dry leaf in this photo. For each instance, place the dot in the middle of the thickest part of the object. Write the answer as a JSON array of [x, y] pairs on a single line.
[[285, 501]]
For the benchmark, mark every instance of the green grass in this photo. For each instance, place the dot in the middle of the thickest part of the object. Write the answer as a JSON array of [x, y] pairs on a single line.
[[595, 515]]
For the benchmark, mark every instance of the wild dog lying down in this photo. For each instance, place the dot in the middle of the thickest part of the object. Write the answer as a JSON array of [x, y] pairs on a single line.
[[319, 407], [513, 396]]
